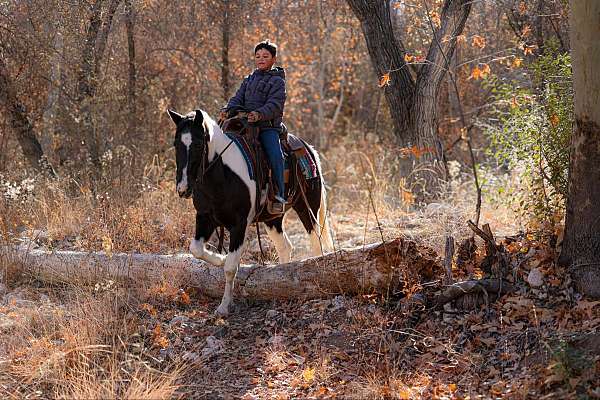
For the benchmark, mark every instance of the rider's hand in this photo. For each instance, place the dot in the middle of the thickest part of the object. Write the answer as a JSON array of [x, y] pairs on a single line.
[[223, 115], [254, 116]]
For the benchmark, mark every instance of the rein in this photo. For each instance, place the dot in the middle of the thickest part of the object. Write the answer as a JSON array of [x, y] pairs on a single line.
[[205, 167]]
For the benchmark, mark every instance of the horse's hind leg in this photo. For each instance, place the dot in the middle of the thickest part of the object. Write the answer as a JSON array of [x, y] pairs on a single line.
[[205, 227], [237, 236], [280, 239]]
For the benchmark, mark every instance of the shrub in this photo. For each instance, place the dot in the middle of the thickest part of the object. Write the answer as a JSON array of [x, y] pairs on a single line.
[[530, 130]]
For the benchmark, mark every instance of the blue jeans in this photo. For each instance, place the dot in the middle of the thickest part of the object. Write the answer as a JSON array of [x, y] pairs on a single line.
[[270, 142]]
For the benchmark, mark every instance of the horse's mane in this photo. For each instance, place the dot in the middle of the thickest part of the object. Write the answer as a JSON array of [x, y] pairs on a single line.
[[210, 124]]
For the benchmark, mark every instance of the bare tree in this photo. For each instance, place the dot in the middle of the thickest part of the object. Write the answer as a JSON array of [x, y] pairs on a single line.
[[20, 123], [225, 34], [581, 246], [87, 80], [132, 76], [412, 97]]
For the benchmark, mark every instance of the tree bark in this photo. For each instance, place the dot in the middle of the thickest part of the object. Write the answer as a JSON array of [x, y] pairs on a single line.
[[132, 76], [387, 56], [19, 121], [429, 81], [383, 268], [581, 246], [225, 32], [87, 77]]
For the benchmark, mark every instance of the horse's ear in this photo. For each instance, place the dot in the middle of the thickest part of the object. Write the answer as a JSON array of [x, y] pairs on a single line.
[[199, 118], [175, 116]]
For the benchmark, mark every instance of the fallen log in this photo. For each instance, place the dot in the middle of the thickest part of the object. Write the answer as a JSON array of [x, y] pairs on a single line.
[[380, 267]]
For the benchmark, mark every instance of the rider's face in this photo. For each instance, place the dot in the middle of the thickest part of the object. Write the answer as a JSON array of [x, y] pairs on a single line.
[[263, 59]]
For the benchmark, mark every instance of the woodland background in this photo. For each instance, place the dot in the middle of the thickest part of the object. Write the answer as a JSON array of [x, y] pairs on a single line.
[[87, 163]]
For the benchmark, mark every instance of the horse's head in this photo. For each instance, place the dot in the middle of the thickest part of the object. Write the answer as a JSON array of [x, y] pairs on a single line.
[[191, 138]]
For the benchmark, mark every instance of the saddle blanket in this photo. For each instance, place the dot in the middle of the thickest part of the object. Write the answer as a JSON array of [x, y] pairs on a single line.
[[305, 162]]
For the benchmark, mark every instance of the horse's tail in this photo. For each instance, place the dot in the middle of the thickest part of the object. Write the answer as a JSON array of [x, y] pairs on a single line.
[[325, 233]]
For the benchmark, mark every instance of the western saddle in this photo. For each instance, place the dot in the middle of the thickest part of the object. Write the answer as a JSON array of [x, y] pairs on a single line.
[[247, 136]]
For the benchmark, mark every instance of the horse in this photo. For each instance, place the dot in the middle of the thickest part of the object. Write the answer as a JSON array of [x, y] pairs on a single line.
[[213, 170]]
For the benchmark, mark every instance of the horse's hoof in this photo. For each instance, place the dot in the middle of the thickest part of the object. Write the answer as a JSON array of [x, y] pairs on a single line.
[[196, 248], [222, 311]]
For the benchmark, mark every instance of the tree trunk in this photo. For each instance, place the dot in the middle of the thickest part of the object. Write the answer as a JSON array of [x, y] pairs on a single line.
[[387, 56], [453, 20], [19, 121], [87, 77], [382, 268], [412, 103], [225, 30], [132, 75], [581, 246]]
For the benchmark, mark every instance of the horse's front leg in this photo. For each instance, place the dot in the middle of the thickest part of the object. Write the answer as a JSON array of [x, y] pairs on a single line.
[[237, 237], [205, 227]]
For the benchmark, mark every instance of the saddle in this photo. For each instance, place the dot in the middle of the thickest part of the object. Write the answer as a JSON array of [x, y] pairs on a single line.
[[246, 136]]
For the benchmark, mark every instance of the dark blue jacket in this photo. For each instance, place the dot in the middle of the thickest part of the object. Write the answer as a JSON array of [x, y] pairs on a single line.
[[262, 91]]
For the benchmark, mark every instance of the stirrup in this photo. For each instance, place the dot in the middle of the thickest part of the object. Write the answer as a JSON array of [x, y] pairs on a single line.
[[275, 207]]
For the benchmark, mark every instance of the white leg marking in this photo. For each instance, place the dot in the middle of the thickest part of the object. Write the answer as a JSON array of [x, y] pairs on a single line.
[[231, 266], [199, 250], [282, 244]]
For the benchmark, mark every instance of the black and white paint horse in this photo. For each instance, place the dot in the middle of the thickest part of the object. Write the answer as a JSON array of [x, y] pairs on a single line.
[[214, 171]]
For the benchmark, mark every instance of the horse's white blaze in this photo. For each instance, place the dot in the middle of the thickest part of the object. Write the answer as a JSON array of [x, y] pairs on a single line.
[[182, 185], [282, 244], [199, 250]]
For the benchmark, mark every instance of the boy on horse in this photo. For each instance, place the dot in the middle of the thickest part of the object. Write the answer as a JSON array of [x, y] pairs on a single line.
[[263, 92]]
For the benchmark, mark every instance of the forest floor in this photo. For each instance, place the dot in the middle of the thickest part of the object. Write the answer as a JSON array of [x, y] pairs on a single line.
[[161, 339]]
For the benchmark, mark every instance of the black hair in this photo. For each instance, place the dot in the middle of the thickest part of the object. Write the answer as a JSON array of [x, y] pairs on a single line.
[[270, 47]]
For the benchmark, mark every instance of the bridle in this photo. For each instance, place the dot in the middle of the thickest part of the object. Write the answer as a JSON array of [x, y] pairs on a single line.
[[206, 165]]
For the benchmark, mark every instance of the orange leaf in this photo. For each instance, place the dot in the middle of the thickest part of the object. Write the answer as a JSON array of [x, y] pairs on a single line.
[[528, 49], [526, 30], [514, 103], [475, 73], [408, 58], [517, 62], [478, 41], [308, 375], [384, 80], [156, 331], [522, 8], [185, 298], [554, 120], [485, 70], [149, 308]]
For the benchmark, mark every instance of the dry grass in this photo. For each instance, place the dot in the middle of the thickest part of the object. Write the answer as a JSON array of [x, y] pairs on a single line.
[[368, 199], [79, 343]]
